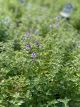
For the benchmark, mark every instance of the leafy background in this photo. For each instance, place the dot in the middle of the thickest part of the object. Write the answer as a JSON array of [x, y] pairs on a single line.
[[39, 54]]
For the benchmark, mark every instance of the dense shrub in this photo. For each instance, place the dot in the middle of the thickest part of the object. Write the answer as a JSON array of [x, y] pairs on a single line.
[[39, 55]]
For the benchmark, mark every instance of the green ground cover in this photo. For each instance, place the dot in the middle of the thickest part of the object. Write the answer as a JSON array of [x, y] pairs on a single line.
[[39, 54]]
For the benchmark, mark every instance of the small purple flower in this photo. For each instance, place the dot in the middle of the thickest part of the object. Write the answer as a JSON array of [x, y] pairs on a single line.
[[28, 46], [34, 55], [37, 43]]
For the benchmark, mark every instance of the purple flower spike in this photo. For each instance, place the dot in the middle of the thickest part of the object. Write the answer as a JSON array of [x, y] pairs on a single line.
[[28, 46], [33, 55]]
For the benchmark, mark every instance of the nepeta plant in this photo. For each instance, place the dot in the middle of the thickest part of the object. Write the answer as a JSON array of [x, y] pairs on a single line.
[[39, 55]]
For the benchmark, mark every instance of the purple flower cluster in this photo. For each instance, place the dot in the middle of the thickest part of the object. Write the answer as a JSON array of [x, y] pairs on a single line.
[[28, 46], [34, 55], [37, 43], [30, 43]]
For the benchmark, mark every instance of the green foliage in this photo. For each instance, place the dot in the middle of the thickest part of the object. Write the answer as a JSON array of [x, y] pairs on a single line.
[[39, 54]]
